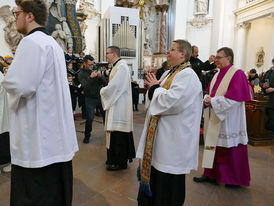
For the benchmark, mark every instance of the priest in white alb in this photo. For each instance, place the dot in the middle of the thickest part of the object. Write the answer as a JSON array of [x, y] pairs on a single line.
[[117, 101], [42, 132], [169, 145], [225, 157], [4, 127]]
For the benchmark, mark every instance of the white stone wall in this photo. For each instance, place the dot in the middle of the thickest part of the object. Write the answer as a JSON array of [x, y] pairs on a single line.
[[254, 29], [202, 36], [261, 34], [180, 10], [228, 27], [218, 31]]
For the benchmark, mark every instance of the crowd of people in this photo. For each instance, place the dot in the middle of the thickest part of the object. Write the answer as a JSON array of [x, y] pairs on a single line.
[[37, 131]]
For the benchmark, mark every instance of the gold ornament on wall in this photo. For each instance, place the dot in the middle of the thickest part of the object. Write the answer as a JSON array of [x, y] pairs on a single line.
[[141, 4], [260, 57]]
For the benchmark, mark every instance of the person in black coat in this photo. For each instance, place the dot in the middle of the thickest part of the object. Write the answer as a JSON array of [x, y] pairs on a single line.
[[73, 84], [73, 91], [92, 81], [160, 71], [70, 57], [135, 95], [198, 65], [267, 84]]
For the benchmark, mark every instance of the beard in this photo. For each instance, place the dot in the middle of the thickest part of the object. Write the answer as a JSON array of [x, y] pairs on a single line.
[[22, 28]]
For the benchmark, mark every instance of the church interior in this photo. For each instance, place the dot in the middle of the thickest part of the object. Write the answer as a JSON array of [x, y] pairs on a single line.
[[144, 30]]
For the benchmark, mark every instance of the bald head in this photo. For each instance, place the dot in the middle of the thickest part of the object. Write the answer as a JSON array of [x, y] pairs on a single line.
[[195, 51]]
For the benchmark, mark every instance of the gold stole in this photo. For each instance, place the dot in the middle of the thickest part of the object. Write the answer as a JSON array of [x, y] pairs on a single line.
[[145, 166], [212, 124]]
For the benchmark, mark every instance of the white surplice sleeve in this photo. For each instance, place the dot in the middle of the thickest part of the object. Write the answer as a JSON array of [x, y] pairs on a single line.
[[147, 102], [222, 106], [116, 87], [181, 94], [25, 73], [1, 79]]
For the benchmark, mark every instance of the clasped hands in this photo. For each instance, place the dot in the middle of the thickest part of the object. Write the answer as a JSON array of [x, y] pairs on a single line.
[[151, 80], [268, 89], [207, 102]]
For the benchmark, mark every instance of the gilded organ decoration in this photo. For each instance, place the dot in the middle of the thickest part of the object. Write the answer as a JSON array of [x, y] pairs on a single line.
[[125, 3], [142, 5]]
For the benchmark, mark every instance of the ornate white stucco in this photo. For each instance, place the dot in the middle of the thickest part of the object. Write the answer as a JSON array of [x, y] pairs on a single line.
[[4, 47], [244, 25]]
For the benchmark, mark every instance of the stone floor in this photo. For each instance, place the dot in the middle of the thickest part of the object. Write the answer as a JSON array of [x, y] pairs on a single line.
[[94, 186]]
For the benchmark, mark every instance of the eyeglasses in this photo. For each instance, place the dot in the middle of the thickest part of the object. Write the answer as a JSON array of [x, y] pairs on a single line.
[[171, 49], [218, 57], [16, 13]]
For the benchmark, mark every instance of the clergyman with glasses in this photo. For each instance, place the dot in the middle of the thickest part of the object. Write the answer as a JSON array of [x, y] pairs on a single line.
[[42, 132], [117, 101], [169, 144], [225, 157], [92, 81]]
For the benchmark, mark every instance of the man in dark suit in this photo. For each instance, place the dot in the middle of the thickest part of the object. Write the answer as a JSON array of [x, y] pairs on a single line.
[[198, 65]]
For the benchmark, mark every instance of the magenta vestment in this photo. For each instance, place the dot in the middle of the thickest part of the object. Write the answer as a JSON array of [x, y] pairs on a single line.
[[231, 164]]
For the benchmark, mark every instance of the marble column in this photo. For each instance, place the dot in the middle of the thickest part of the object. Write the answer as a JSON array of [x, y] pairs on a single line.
[[239, 57], [163, 30], [162, 12], [158, 28]]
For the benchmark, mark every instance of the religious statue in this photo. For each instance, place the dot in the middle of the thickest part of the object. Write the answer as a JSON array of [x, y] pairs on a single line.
[[54, 8], [260, 57], [147, 48], [200, 12], [149, 25], [87, 8], [60, 36], [12, 36], [201, 6], [68, 33], [149, 15]]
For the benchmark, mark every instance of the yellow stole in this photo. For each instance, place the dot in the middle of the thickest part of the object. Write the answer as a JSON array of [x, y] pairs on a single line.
[[145, 170]]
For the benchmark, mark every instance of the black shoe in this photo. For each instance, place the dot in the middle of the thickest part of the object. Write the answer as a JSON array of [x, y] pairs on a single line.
[[115, 167], [86, 140], [201, 179], [232, 186]]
